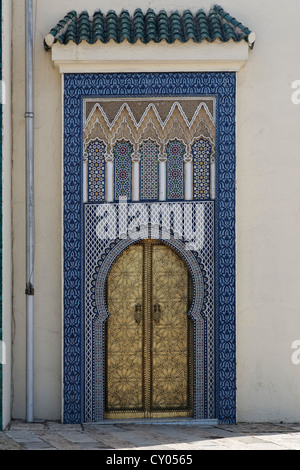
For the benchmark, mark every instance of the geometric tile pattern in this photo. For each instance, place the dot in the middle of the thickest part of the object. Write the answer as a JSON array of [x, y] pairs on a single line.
[[122, 152], [175, 151], [96, 170], [222, 86], [201, 151], [195, 243], [149, 170], [149, 142]]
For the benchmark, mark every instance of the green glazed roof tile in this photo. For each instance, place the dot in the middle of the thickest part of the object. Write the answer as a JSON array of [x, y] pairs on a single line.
[[61, 24], [228, 32], [98, 27], [151, 29], [230, 20], [84, 27], [138, 25], [189, 25], [176, 28], [202, 26], [148, 26], [112, 28], [163, 26], [125, 26], [70, 34], [216, 27]]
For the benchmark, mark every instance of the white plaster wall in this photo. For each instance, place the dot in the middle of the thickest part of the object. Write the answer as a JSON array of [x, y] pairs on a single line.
[[47, 170], [268, 208], [268, 223]]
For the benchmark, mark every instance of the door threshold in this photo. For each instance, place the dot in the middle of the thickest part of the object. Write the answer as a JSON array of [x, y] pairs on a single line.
[[162, 421]]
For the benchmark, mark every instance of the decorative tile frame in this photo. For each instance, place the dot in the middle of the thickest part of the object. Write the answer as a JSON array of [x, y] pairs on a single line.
[[122, 168], [188, 227], [175, 150], [149, 170], [80, 86], [201, 151], [199, 322], [96, 149]]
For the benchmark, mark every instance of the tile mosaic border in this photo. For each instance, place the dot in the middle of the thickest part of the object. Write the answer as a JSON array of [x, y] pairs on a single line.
[[80, 86], [100, 256]]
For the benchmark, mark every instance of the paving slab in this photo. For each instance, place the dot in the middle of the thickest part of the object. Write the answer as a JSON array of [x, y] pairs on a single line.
[[58, 441], [6, 443], [50, 435], [109, 439]]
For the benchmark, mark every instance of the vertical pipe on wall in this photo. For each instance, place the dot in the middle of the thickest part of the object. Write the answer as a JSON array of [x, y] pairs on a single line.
[[29, 119]]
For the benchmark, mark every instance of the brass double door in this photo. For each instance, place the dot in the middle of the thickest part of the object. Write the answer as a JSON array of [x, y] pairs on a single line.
[[149, 335]]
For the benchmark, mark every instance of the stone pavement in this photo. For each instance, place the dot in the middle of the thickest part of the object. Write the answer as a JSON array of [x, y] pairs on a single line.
[[151, 437]]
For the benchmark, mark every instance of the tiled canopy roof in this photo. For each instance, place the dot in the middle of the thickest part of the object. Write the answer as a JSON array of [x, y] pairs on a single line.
[[149, 26]]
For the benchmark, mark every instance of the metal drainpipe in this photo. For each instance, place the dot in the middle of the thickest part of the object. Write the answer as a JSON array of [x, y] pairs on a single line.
[[29, 119]]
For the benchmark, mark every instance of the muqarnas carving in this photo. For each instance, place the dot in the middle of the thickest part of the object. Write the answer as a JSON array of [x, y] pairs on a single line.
[[160, 138]]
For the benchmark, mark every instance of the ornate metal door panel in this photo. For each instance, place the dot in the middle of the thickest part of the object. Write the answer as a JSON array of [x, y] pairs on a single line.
[[170, 358], [124, 344], [148, 334]]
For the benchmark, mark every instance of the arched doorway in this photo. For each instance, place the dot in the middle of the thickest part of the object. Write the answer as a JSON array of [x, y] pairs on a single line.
[[149, 334], [203, 233]]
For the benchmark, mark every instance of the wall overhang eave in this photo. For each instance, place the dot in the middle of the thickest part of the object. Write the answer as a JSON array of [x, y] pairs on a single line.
[[178, 57]]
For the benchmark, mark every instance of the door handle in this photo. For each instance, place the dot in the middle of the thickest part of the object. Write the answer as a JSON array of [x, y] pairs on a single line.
[[156, 313], [138, 315]]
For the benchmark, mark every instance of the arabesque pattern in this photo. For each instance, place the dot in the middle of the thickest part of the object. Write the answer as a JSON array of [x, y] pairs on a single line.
[[171, 361], [156, 137], [122, 152], [76, 376], [193, 226], [149, 335], [175, 151], [96, 170], [149, 170], [124, 337], [202, 154]]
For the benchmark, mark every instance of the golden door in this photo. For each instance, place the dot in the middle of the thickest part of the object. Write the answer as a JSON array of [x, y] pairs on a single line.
[[149, 335]]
